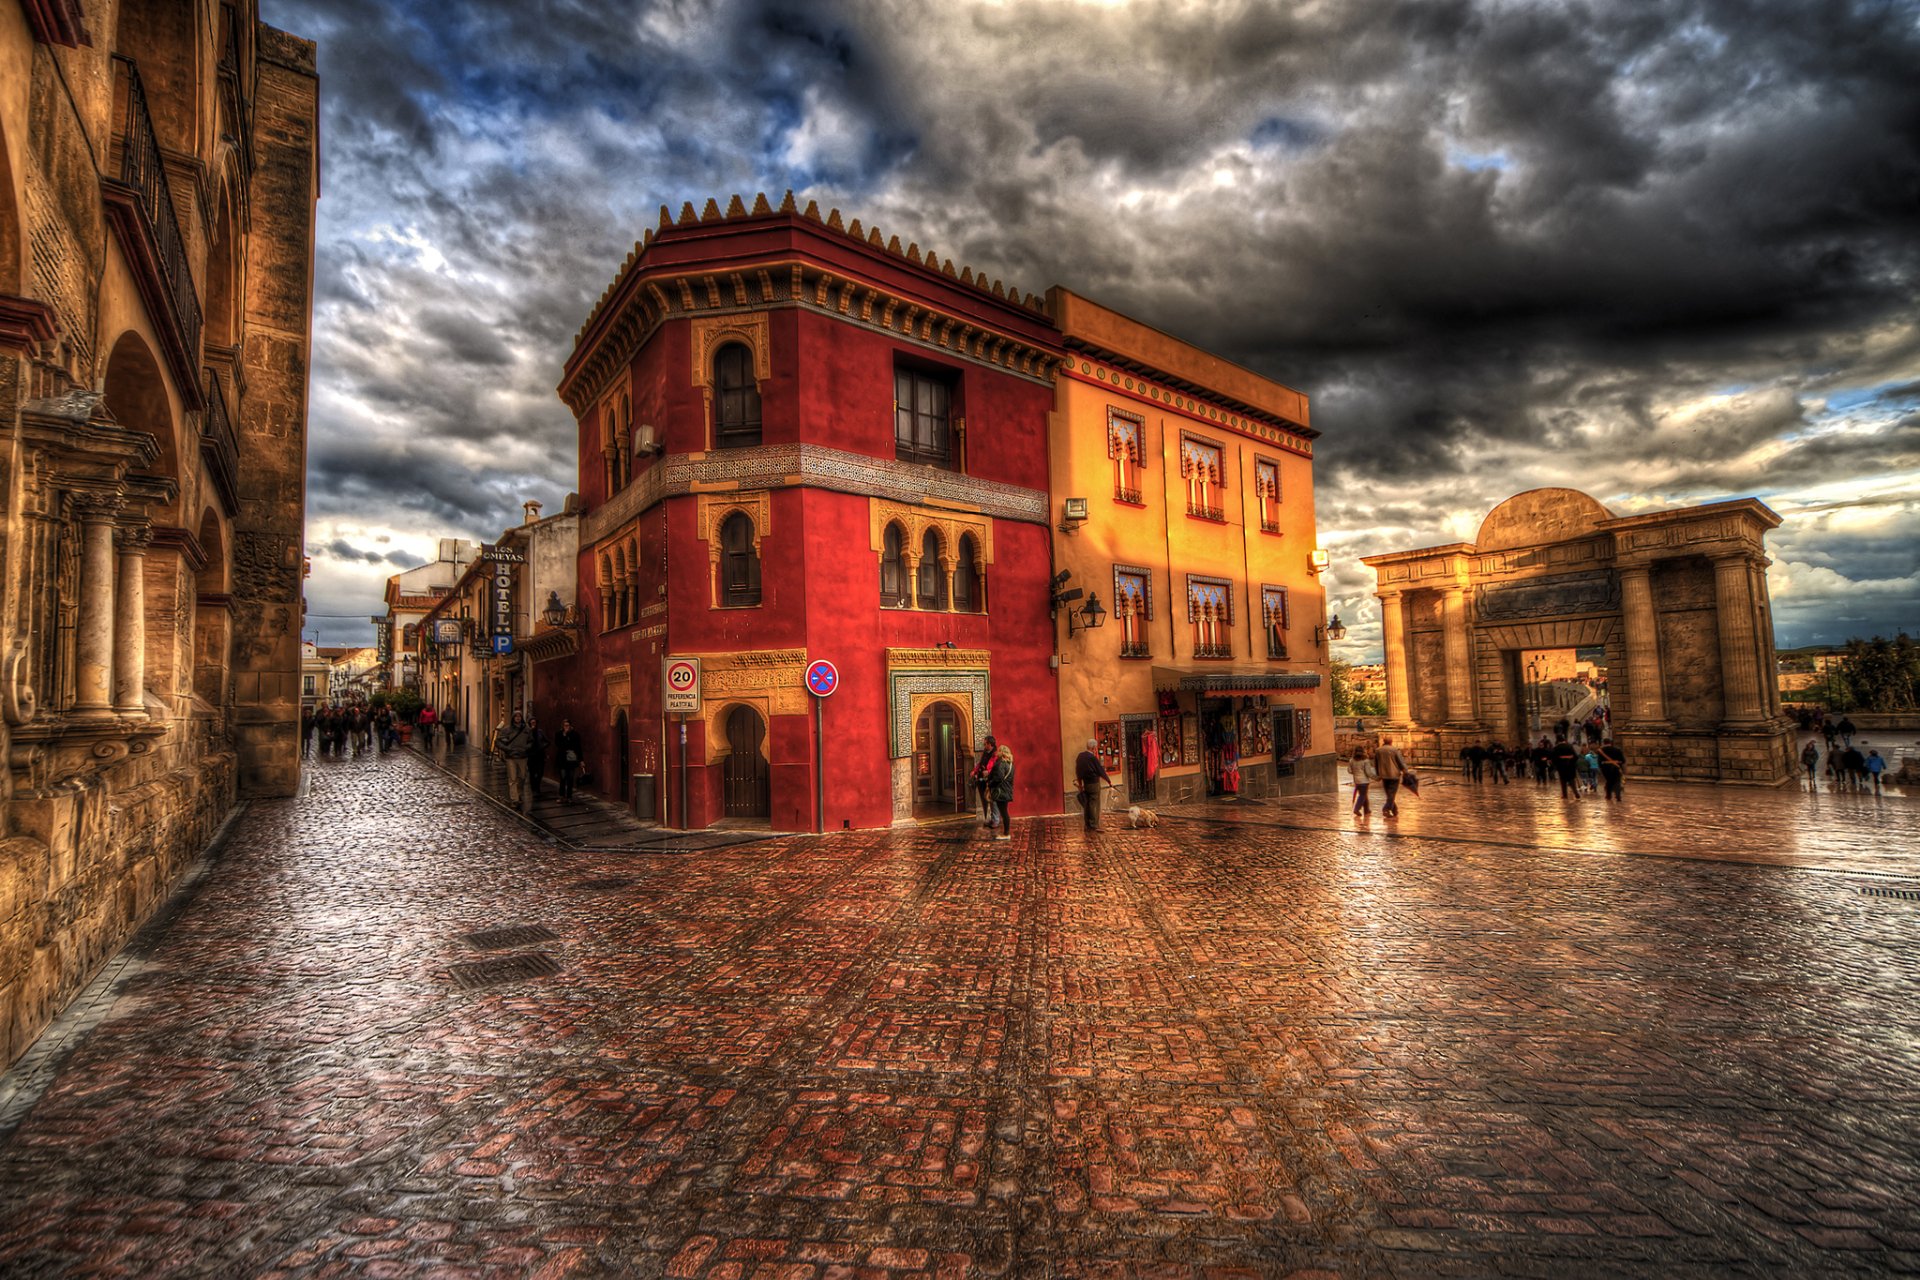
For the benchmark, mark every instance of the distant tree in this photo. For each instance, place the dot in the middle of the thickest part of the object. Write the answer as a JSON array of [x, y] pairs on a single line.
[[1349, 699], [1882, 674]]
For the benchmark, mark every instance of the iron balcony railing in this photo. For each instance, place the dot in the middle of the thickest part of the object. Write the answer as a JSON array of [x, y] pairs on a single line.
[[142, 174], [219, 448], [1135, 651], [1204, 650], [1123, 494], [1205, 510], [239, 107]]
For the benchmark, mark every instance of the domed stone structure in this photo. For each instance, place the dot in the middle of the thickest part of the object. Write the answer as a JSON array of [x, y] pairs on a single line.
[[1540, 515], [1669, 608]]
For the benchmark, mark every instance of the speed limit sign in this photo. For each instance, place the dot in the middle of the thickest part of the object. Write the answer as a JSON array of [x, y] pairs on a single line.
[[680, 681]]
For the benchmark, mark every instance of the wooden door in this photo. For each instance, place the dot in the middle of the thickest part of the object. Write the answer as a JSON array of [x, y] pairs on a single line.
[[745, 771], [1139, 786]]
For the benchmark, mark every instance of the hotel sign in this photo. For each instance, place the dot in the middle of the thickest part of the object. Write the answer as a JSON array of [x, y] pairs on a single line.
[[500, 608]]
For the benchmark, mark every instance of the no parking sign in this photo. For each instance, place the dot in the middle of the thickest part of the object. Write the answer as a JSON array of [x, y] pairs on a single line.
[[822, 678]]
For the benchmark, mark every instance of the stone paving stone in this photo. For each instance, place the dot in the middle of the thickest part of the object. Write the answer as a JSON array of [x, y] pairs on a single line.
[[1254, 1042]]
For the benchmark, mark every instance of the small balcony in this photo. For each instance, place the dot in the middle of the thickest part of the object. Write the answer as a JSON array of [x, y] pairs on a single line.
[[1123, 494], [1137, 649], [1269, 524], [219, 448], [1217, 649], [1205, 509], [139, 205]]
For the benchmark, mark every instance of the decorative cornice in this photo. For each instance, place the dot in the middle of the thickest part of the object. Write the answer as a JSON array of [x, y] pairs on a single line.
[[938, 659], [171, 538], [812, 466], [25, 323], [1215, 413], [793, 282], [787, 211]]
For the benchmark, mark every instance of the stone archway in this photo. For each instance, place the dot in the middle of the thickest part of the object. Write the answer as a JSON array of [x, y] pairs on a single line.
[[1676, 599]]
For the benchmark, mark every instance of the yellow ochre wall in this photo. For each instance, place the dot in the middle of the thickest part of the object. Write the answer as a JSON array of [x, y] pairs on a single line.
[[1147, 373]]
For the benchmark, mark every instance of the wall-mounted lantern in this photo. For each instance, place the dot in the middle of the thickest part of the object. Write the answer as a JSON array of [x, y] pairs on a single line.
[[1087, 617]]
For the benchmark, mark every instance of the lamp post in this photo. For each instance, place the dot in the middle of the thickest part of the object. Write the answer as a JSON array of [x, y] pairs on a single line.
[[1533, 697]]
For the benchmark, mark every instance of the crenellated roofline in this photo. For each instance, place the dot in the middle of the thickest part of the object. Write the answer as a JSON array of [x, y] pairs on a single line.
[[713, 262]]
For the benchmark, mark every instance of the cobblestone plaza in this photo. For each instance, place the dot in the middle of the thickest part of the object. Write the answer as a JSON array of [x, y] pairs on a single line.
[[391, 1032]]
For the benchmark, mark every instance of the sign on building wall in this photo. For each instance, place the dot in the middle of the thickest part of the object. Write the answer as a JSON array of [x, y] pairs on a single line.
[[446, 631], [680, 681], [383, 639], [500, 610]]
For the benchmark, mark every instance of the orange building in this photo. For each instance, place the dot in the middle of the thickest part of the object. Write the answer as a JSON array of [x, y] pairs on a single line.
[[1185, 492]]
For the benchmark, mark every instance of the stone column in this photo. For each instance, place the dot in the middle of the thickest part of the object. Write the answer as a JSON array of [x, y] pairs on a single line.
[[1459, 660], [1744, 698], [1648, 705], [1393, 635], [130, 623], [94, 643]]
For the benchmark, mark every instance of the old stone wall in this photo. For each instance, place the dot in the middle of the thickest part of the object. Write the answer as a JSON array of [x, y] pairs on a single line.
[[270, 530], [117, 630], [1689, 646]]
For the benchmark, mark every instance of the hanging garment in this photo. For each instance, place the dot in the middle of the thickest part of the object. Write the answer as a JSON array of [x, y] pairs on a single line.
[[1150, 751]]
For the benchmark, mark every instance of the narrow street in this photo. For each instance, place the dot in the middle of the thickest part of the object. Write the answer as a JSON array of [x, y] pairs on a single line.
[[392, 1032]]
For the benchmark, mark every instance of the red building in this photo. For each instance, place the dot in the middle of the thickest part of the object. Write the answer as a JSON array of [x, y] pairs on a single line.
[[799, 442]]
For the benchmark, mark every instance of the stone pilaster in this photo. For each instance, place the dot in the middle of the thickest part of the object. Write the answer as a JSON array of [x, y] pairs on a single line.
[[1393, 637], [130, 623], [1645, 682], [1745, 698], [1459, 657], [93, 650]]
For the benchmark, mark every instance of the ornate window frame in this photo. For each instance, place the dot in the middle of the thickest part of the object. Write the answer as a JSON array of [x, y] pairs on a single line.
[[1266, 492], [710, 513], [1208, 460], [1142, 647], [949, 526], [1126, 445], [1275, 615], [1210, 615], [710, 333]]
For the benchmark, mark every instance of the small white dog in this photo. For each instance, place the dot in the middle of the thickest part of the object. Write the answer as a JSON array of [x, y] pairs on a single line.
[[1138, 817]]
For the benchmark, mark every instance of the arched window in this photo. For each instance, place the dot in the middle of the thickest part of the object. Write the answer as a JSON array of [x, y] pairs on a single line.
[[966, 577], [893, 569], [739, 563], [931, 585], [736, 399]]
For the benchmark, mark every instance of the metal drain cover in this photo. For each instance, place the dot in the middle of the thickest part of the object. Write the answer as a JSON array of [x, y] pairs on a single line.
[[605, 882], [1911, 895], [501, 970], [513, 935]]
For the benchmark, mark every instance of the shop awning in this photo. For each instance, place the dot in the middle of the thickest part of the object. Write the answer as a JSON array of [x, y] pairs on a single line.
[[1231, 679]]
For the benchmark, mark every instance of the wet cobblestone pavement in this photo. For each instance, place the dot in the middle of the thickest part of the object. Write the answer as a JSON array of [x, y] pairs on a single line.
[[1215, 1049]]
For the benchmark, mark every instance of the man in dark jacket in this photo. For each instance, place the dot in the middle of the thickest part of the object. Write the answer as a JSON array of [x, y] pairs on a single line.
[[512, 742], [536, 756], [1090, 777], [571, 752]]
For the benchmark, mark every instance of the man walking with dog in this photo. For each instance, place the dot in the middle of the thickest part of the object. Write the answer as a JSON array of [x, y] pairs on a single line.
[[1091, 777]]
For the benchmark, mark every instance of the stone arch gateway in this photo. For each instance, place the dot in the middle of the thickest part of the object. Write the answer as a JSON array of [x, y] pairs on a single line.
[[1677, 599]]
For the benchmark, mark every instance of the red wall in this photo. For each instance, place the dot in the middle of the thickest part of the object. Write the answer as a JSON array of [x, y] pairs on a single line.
[[832, 384]]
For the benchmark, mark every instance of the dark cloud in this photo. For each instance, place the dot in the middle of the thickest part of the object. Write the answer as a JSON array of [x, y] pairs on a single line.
[[1662, 251]]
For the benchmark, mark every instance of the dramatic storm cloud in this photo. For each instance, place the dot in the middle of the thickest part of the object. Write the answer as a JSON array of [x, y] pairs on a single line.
[[1661, 252]]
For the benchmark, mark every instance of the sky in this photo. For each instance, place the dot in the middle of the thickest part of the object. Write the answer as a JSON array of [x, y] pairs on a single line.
[[1664, 253]]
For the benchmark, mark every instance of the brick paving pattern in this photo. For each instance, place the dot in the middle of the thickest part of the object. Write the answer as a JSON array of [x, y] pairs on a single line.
[[1263, 1045]]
